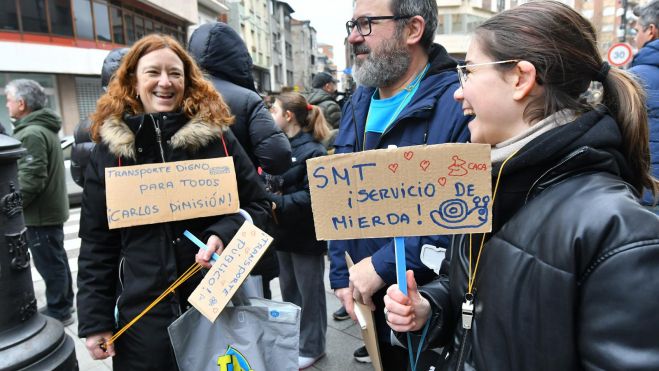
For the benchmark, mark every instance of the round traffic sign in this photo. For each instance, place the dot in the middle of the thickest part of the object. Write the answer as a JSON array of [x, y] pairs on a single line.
[[619, 54]]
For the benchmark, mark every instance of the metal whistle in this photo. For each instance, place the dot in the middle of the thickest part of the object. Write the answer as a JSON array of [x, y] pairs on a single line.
[[467, 313]]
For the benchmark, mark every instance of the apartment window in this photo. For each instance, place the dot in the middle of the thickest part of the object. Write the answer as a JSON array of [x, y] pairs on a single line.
[[130, 28], [139, 27], [278, 75], [289, 50], [82, 12], [148, 26], [9, 15], [33, 16], [117, 25], [102, 21], [60, 17], [458, 23]]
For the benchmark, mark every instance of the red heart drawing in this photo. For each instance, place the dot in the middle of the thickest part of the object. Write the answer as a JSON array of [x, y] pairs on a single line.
[[424, 164], [441, 181], [408, 155], [393, 167]]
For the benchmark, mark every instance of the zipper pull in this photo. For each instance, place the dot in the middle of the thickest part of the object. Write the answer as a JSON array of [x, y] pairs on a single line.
[[467, 311]]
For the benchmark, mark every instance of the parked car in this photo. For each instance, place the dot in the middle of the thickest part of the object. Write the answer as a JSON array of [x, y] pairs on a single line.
[[73, 189]]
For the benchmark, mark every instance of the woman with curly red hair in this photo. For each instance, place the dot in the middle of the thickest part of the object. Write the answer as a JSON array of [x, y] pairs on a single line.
[[158, 108]]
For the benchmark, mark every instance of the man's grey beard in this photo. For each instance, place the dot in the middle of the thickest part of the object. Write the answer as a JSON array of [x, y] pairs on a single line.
[[382, 67]]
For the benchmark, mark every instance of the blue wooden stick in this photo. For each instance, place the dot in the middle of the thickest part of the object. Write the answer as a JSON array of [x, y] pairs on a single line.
[[401, 267], [201, 245]]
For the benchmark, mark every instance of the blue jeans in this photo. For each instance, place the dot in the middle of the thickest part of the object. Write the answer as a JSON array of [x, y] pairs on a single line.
[[47, 247]]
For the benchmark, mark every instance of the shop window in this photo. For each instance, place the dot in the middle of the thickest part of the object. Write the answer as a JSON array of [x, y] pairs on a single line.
[[82, 13], [60, 17], [102, 22], [33, 16], [47, 81]]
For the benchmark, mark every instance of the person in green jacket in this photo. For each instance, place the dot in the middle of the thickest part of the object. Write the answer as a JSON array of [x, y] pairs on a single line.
[[43, 188]]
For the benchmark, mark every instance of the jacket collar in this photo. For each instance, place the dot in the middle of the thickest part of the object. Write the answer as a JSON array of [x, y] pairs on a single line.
[[301, 138], [648, 54], [591, 143], [43, 117], [120, 134]]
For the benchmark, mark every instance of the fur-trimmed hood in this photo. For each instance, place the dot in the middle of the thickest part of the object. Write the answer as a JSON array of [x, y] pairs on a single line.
[[119, 134]]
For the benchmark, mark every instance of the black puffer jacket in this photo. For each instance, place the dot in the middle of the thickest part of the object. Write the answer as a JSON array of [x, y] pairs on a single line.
[[220, 51], [296, 229], [130, 267], [565, 281], [81, 151]]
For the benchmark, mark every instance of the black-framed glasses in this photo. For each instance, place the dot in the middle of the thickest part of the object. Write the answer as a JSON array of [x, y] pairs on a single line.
[[363, 24], [463, 72]]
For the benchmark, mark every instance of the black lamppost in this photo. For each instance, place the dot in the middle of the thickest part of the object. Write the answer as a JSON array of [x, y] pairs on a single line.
[[28, 340]]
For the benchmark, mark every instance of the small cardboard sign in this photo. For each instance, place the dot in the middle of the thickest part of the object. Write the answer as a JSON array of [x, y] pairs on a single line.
[[407, 191], [227, 274], [155, 193]]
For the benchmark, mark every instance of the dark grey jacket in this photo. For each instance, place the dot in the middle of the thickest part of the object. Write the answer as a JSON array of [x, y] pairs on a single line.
[[220, 51], [331, 109]]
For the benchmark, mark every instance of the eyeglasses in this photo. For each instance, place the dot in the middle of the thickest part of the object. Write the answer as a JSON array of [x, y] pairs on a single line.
[[363, 24], [463, 72]]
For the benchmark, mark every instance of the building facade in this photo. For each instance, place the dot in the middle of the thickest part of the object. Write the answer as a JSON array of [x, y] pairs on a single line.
[[281, 70], [304, 54], [62, 44], [251, 19]]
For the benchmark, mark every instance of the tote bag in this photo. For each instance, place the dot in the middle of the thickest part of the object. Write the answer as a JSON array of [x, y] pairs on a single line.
[[262, 336]]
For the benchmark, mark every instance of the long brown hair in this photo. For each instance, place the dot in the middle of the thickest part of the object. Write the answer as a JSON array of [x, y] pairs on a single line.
[[200, 99], [562, 46], [309, 117]]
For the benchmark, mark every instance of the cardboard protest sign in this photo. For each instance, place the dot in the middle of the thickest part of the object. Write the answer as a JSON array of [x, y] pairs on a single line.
[[407, 191], [228, 273], [366, 321], [155, 193]]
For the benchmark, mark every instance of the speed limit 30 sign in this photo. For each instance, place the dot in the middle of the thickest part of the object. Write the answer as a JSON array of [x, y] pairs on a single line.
[[619, 54]]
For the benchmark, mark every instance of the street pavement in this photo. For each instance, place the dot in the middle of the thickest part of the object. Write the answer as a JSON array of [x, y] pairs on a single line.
[[343, 337]]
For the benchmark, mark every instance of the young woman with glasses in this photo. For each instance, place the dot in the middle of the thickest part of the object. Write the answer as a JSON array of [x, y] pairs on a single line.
[[566, 279]]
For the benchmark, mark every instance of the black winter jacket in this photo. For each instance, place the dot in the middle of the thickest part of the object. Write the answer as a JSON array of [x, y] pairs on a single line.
[[296, 231], [220, 51], [564, 282], [81, 151], [132, 266]]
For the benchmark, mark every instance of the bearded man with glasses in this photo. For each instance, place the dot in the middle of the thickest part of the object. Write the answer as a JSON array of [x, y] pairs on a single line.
[[405, 98]]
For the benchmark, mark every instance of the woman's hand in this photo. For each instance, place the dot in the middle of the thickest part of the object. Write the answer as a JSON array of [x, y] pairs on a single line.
[[214, 245], [94, 342], [406, 313]]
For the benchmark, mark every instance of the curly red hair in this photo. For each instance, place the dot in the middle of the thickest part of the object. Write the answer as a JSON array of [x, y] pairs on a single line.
[[200, 99]]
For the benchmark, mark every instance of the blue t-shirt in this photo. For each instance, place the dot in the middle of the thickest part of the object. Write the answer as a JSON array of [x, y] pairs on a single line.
[[380, 116], [383, 112]]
